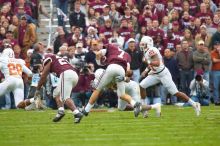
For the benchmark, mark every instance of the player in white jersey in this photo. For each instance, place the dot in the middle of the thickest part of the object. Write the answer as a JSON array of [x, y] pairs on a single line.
[[12, 69], [131, 88], [158, 73]]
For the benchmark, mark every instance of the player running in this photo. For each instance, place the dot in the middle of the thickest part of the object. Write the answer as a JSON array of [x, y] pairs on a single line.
[[157, 72], [12, 69], [68, 79], [118, 63]]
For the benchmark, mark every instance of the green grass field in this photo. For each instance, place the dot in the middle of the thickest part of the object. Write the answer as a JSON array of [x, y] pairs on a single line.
[[177, 126]]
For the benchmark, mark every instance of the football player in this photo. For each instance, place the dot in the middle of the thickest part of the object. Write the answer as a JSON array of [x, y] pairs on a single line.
[[68, 79], [118, 63], [12, 69], [157, 72]]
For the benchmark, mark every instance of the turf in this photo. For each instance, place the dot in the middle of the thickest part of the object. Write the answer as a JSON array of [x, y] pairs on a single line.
[[177, 126]]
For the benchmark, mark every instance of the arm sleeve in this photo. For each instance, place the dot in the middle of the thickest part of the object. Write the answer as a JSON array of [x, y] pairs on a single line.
[[26, 70]]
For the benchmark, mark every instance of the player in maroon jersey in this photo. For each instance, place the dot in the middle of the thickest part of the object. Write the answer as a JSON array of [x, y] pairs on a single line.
[[118, 63], [68, 80]]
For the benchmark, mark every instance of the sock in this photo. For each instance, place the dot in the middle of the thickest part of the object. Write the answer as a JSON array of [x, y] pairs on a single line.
[[61, 108], [143, 101], [88, 107], [191, 102], [153, 106], [132, 102], [76, 111], [31, 100]]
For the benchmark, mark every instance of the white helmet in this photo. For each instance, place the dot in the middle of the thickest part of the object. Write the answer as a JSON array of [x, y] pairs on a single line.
[[146, 42], [8, 52], [98, 74]]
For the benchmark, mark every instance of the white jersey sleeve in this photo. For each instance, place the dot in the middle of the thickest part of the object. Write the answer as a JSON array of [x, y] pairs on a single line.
[[25, 69], [148, 56]]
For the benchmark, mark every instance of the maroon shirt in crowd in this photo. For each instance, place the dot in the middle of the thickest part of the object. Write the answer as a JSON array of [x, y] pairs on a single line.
[[155, 32], [125, 32], [193, 7], [203, 16], [97, 6], [58, 64], [143, 19], [108, 32]]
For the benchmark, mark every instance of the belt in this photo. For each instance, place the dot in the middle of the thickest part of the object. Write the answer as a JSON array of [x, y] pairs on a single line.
[[160, 71]]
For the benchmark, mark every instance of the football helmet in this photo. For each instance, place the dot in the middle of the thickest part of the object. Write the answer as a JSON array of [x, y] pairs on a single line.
[[146, 42], [8, 52]]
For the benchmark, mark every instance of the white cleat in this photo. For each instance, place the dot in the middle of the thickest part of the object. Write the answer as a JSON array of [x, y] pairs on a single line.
[[158, 109], [197, 108]]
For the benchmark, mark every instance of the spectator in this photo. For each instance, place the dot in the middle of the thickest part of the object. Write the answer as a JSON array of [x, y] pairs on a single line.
[[62, 52], [80, 52], [114, 14], [215, 37], [193, 9], [215, 55], [185, 64], [165, 24], [117, 39], [199, 90], [171, 63], [62, 11], [142, 32], [105, 15], [202, 59], [146, 15], [17, 51], [90, 57], [136, 59], [97, 5], [107, 29], [129, 17], [210, 5], [155, 31], [60, 39], [203, 35], [22, 4], [75, 36], [124, 31], [177, 32], [77, 18], [37, 56], [26, 35], [14, 23], [203, 13], [189, 37], [171, 41]]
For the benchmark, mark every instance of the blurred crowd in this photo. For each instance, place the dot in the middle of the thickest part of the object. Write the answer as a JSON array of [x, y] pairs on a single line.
[[186, 32]]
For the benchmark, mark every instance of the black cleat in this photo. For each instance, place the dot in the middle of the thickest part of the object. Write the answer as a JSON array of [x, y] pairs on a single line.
[[60, 114], [78, 117], [85, 113], [137, 109]]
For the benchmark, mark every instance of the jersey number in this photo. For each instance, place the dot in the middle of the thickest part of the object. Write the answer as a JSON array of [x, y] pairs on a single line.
[[15, 69], [121, 54], [62, 61]]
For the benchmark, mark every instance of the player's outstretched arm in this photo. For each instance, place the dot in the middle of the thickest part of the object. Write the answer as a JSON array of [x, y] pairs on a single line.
[[45, 72]]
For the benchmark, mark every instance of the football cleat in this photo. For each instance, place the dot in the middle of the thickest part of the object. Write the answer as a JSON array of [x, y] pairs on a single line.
[[60, 114], [197, 108], [85, 113], [78, 117], [137, 109]]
